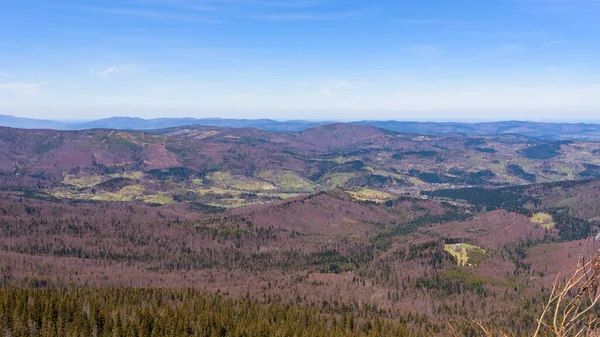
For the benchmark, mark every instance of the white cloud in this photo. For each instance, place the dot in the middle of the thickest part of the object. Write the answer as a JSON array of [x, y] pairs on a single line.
[[552, 43], [22, 87], [104, 73], [131, 68]]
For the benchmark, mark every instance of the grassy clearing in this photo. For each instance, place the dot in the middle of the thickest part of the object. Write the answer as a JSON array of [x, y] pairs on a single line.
[[217, 190], [128, 193], [227, 180], [161, 198], [337, 180], [543, 219], [343, 160], [88, 181], [416, 181], [130, 175], [83, 181], [287, 181], [367, 194], [466, 254], [385, 173], [62, 194]]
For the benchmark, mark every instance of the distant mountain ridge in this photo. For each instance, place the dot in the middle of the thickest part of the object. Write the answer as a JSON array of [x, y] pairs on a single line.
[[28, 123], [129, 123], [543, 130]]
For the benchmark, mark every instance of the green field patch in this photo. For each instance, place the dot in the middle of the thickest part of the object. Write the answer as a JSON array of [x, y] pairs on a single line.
[[229, 181], [287, 181], [81, 181], [343, 160], [337, 180], [543, 219], [466, 254], [62, 194], [217, 190], [385, 173], [367, 194], [416, 181], [128, 193], [161, 198], [129, 175]]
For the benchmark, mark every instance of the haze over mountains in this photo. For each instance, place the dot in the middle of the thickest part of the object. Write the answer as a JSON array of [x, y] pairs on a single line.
[[544, 130]]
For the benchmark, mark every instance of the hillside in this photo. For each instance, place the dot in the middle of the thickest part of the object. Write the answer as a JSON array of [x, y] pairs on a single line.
[[236, 167], [355, 220], [438, 261], [579, 199]]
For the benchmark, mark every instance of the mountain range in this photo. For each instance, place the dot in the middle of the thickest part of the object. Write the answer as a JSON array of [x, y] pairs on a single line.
[[549, 131], [232, 167]]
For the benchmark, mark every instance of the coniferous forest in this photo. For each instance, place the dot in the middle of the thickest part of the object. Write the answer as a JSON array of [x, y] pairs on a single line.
[[170, 312]]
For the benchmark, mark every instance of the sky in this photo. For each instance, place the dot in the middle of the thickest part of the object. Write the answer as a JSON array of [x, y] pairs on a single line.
[[301, 59]]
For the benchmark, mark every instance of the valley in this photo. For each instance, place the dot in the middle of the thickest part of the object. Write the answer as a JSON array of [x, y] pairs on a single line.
[[238, 167], [409, 228]]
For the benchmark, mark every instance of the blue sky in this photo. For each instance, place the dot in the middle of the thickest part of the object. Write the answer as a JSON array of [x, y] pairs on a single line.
[[301, 59]]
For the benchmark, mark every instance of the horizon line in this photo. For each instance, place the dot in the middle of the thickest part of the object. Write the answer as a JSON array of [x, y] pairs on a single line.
[[425, 120]]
